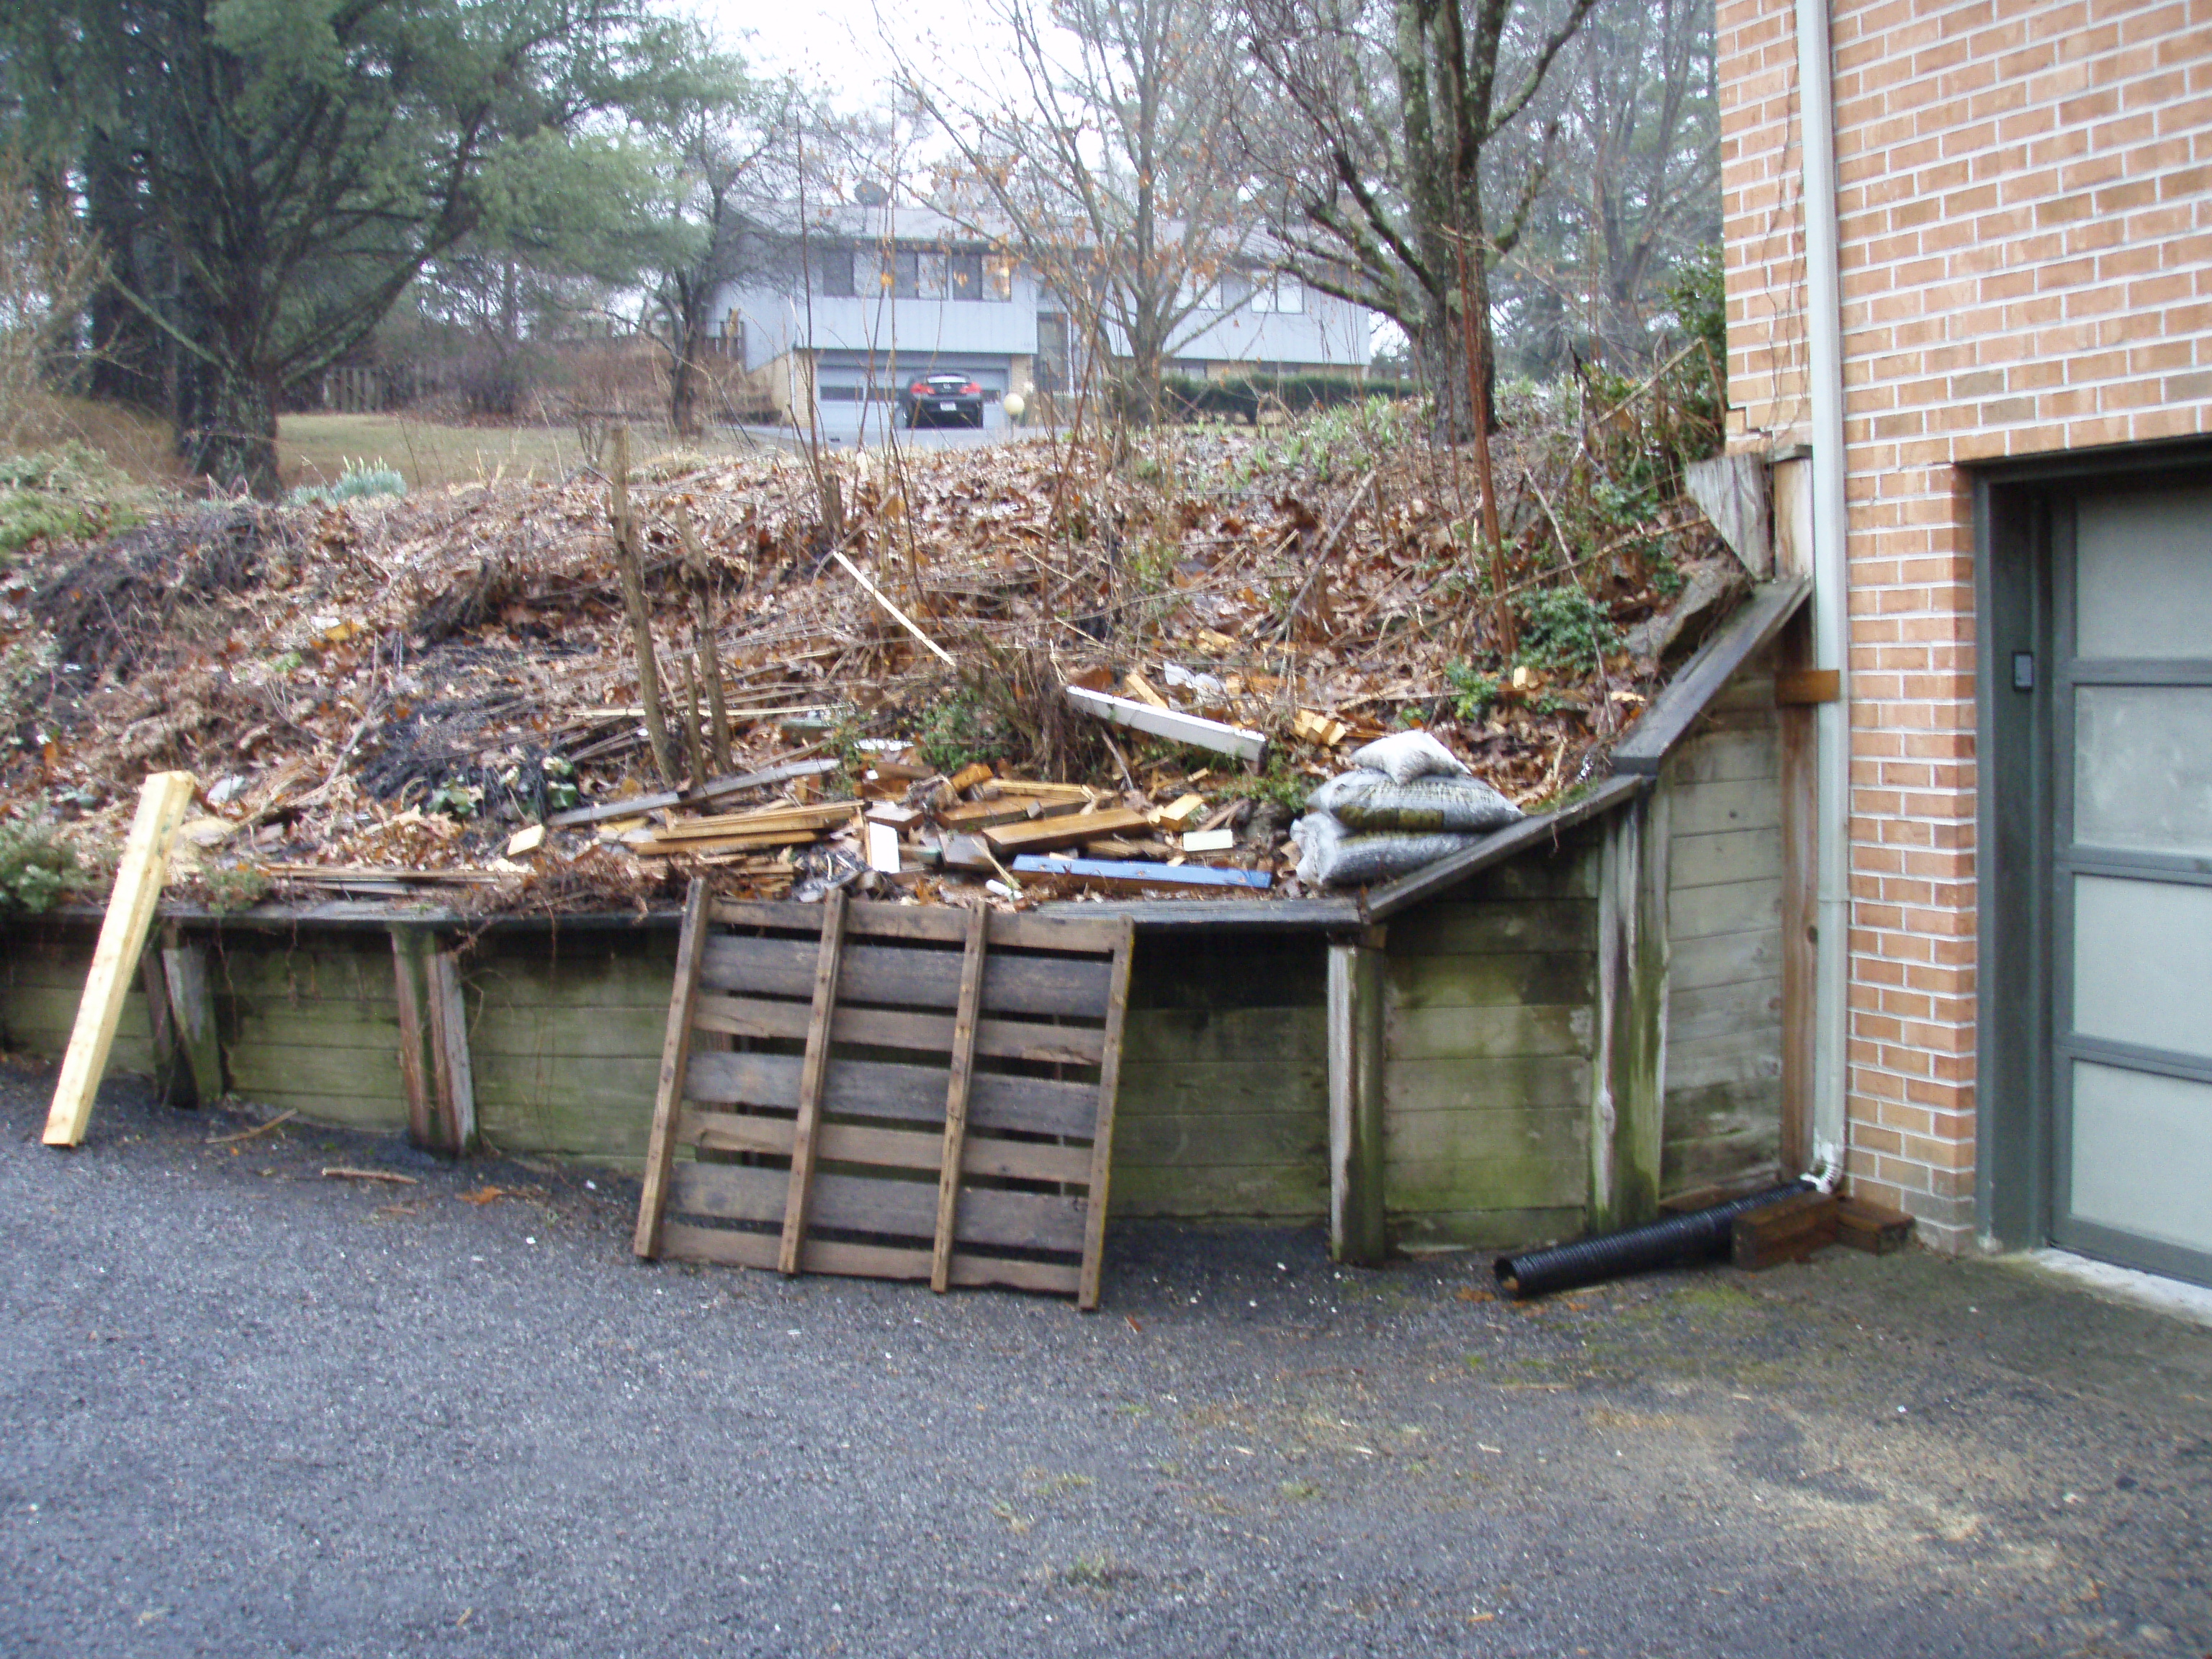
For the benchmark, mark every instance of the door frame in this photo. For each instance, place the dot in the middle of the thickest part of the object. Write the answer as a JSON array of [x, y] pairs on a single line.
[[2016, 609]]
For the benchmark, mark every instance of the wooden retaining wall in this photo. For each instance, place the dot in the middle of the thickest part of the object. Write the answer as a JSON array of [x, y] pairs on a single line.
[[1488, 1021], [1723, 1078], [1557, 1040], [1224, 1102]]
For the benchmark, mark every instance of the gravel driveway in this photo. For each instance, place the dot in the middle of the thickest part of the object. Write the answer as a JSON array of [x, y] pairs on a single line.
[[253, 1410]]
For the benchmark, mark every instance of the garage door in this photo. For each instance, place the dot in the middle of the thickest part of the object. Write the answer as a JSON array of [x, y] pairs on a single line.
[[2132, 893]]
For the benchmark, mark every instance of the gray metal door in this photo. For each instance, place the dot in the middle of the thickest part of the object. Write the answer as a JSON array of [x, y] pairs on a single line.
[[2131, 962]]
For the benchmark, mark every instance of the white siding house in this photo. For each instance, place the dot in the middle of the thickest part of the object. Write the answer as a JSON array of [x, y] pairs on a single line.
[[872, 297]]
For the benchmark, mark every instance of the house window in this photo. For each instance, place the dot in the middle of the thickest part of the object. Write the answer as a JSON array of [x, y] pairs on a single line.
[[836, 262], [1198, 293], [998, 277], [1281, 292], [963, 276], [929, 277]]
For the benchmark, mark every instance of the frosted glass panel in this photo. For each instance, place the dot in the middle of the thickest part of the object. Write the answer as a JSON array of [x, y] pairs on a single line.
[[2142, 1154], [2143, 768], [2142, 964], [2143, 577]]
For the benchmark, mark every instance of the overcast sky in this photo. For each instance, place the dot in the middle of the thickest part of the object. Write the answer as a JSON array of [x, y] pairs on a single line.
[[833, 43]]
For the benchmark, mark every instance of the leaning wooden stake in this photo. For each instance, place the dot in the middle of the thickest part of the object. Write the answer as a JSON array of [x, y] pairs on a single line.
[[675, 1064], [630, 566], [138, 879], [956, 1098], [813, 1072]]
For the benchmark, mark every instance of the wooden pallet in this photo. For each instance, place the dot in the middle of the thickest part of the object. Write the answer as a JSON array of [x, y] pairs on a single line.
[[888, 1091]]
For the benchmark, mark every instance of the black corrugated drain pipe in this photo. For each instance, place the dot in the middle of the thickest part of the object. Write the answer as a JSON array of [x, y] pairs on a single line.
[[1698, 1236]]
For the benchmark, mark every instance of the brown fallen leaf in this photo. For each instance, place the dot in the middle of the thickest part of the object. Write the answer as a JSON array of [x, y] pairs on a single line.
[[483, 1195]]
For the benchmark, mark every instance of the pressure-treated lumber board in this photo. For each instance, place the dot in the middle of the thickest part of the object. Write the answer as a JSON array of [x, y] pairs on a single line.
[[956, 1098], [812, 1070], [139, 879], [1176, 728], [675, 1059]]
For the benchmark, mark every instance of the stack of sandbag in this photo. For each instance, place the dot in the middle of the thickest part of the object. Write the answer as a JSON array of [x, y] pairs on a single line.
[[1408, 802]]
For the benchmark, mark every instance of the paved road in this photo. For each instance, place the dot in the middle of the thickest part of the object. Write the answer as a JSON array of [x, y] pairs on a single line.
[[253, 1410]]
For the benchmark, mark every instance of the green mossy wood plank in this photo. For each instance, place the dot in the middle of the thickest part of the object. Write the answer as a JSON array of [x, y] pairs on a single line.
[[1484, 927], [1504, 979]]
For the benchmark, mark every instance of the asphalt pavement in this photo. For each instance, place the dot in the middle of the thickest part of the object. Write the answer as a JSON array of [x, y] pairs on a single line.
[[251, 1409]]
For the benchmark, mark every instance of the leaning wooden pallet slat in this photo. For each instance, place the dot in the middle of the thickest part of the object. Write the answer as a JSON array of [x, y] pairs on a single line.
[[955, 1100], [1102, 1145], [811, 1078], [675, 1067]]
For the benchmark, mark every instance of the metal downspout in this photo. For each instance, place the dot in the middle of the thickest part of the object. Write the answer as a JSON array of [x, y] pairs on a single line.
[[1831, 587]]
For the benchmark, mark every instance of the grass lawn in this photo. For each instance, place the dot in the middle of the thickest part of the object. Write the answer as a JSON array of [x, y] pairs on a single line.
[[316, 448]]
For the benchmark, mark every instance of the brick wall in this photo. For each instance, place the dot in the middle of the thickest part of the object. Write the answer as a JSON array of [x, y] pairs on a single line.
[[2025, 205]]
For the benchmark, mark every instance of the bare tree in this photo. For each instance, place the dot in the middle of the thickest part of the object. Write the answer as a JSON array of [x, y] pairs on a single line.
[[728, 141], [1636, 188], [1381, 156], [1110, 169]]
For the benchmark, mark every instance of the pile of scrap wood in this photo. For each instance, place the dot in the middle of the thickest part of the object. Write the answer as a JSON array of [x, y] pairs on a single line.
[[418, 697]]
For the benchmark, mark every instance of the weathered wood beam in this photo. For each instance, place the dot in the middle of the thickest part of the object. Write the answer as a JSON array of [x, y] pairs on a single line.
[[192, 1012], [1628, 1077], [434, 1066], [1677, 709], [1358, 1223]]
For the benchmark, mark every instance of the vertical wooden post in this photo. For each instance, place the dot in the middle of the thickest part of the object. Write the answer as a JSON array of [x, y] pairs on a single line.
[[1358, 1217], [172, 1080], [956, 1098], [412, 949], [455, 1074], [192, 1008], [813, 1072], [675, 1062], [138, 879], [1635, 871]]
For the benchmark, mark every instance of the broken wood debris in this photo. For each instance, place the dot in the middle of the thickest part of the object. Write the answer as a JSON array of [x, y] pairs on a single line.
[[1161, 722]]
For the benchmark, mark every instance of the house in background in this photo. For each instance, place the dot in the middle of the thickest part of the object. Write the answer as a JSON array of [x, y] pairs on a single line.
[[1969, 252], [875, 295]]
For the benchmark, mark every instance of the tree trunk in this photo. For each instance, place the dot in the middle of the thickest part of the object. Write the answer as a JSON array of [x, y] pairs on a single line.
[[227, 433]]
